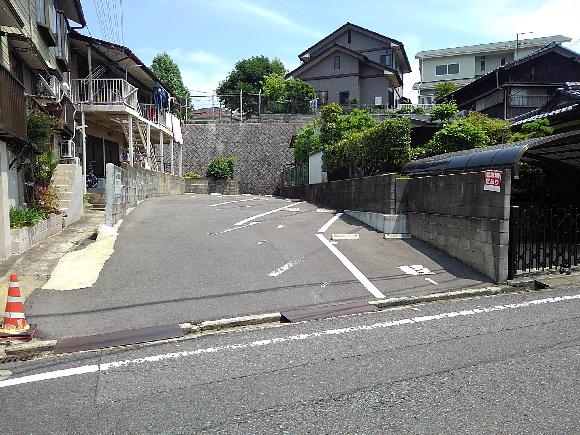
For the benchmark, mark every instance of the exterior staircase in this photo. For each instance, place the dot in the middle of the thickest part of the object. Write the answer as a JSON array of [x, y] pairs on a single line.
[[68, 180]]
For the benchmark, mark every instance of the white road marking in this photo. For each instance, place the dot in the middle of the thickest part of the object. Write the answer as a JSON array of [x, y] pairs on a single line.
[[431, 281], [327, 225], [227, 230], [231, 202], [277, 340], [352, 268], [416, 269], [285, 267], [324, 284], [324, 210], [262, 241], [293, 209], [344, 236], [242, 222], [280, 226]]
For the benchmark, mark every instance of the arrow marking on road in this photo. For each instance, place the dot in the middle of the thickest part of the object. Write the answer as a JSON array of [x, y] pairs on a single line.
[[300, 337]]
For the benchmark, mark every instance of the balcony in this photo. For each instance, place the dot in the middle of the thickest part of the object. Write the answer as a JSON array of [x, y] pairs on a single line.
[[104, 91], [412, 108], [153, 113], [12, 107]]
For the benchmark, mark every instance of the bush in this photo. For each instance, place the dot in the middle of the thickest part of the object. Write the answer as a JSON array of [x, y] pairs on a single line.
[[455, 136], [192, 175], [307, 142], [497, 131], [221, 167], [388, 143], [537, 128], [26, 216], [444, 112]]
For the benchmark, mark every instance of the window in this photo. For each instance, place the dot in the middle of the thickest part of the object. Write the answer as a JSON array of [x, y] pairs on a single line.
[[336, 62], [441, 70], [61, 49], [482, 64], [47, 20], [343, 97], [452, 68], [502, 61], [385, 60], [349, 36]]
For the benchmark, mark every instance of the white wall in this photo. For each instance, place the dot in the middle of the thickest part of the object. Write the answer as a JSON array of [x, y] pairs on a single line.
[[5, 240]]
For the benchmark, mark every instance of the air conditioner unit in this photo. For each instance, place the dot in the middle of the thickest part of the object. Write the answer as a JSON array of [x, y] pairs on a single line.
[[67, 149]]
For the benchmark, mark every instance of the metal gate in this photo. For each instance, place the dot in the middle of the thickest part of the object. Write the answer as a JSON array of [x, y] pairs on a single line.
[[543, 237]]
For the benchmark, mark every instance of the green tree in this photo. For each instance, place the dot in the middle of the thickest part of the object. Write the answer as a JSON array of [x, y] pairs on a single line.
[[168, 73], [444, 112], [536, 128], [300, 94], [443, 89], [455, 136], [274, 86], [307, 141], [247, 76]]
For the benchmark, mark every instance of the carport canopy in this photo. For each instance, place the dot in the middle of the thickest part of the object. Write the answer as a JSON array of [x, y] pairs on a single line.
[[563, 148]]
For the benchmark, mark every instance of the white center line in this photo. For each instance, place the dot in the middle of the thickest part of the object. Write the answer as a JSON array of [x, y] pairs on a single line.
[[242, 222], [291, 338], [327, 225], [285, 267], [353, 269]]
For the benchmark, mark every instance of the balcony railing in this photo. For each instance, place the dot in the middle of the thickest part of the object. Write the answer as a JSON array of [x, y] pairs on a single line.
[[104, 91], [153, 113], [12, 106], [426, 108]]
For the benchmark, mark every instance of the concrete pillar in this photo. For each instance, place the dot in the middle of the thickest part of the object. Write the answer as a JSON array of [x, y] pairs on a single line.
[[180, 161], [162, 169], [5, 240], [171, 147], [84, 145], [130, 129]]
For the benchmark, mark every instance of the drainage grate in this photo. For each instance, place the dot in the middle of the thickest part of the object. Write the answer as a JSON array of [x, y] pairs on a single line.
[[18, 358]]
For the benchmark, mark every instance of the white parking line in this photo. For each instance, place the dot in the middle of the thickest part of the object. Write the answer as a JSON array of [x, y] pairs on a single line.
[[227, 230], [431, 281], [285, 267], [327, 225], [231, 202], [242, 222], [277, 340], [353, 269]]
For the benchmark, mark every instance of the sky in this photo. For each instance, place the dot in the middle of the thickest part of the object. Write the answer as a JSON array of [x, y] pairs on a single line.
[[207, 37]]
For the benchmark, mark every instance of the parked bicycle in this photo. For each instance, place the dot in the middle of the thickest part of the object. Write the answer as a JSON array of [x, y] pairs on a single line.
[[92, 179]]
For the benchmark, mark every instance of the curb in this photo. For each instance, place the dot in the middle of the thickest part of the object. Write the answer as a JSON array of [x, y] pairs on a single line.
[[458, 294], [44, 346]]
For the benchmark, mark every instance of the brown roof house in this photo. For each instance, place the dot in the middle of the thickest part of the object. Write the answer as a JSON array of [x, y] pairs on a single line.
[[354, 65]]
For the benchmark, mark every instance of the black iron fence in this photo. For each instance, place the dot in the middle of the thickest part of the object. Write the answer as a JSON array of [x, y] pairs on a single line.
[[543, 237], [294, 175]]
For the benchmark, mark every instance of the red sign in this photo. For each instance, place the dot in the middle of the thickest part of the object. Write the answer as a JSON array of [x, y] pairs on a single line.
[[492, 180]]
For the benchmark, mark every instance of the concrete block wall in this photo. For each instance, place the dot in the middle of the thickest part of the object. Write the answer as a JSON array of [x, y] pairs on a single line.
[[453, 213], [374, 194], [126, 186]]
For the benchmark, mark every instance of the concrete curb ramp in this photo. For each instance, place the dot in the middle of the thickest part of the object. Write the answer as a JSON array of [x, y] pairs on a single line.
[[212, 326]]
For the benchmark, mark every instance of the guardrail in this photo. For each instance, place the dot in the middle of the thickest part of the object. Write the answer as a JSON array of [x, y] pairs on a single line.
[[12, 106], [153, 113]]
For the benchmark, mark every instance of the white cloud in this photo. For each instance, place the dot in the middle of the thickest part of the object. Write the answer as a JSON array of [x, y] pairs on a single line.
[[197, 57]]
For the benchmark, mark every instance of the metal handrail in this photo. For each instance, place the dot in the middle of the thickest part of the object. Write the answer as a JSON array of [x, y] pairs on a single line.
[[104, 91]]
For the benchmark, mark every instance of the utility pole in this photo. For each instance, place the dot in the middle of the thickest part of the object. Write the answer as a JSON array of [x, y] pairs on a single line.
[[241, 112], [259, 104]]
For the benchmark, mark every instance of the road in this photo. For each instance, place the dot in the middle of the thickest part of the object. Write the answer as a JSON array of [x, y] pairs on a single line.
[[501, 364], [192, 258]]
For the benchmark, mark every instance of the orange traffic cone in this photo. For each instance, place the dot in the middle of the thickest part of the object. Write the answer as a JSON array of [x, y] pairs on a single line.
[[14, 320]]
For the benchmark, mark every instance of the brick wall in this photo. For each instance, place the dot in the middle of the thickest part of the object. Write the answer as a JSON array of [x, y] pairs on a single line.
[[454, 214], [261, 149]]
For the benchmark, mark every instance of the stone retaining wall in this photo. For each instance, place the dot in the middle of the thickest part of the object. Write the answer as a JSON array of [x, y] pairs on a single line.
[[126, 186]]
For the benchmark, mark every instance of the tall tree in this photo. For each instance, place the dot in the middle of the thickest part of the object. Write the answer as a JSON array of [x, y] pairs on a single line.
[[443, 89], [247, 76], [168, 73]]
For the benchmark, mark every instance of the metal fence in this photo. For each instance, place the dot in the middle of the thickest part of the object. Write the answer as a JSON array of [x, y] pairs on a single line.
[[543, 237], [294, 175]]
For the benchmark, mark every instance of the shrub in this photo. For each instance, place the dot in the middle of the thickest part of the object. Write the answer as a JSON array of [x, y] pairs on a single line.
[[456, 136], [497, 131], [192, 175], [537, 128], [388, 143], [307, 141], [26, 216], [221, 167], [444, 112], [331, 124]]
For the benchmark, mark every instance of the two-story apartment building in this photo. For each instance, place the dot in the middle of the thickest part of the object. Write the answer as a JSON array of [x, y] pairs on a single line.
[[355, 64], [462, 65], [34, 65]]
